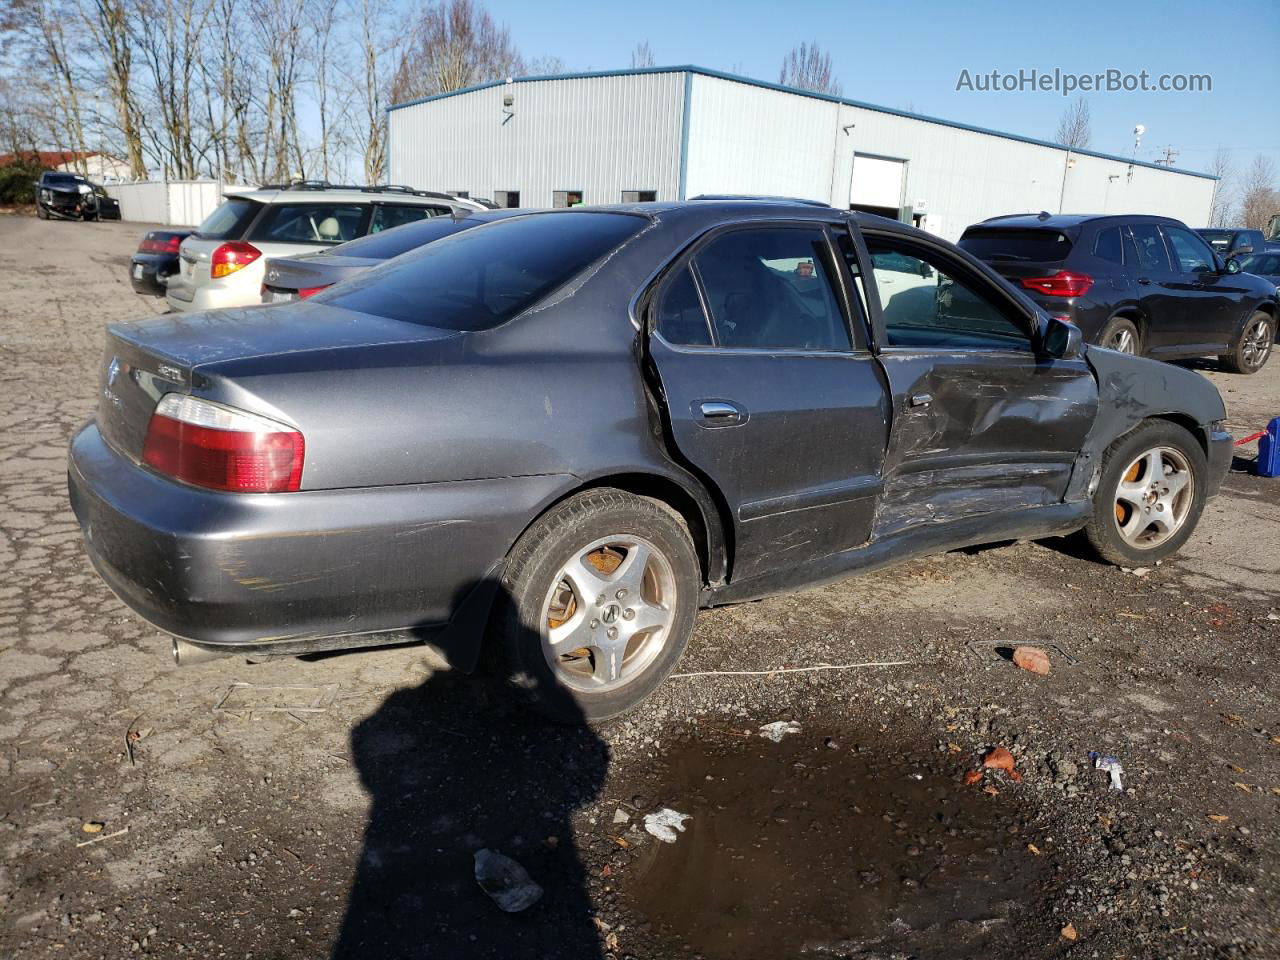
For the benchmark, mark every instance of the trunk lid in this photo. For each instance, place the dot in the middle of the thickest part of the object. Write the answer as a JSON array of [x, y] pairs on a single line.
[[148, 358], [315, 270]]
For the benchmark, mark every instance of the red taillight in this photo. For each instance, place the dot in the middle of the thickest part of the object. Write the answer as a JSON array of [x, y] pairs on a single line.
[[165, 243], [232, 256], [312, 291], [1064, 283], [221, 448]]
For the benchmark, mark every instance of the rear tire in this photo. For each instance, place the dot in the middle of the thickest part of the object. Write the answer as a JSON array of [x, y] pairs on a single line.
[[597, 605], [1150, 495], [1122, 336], [1253, 347]]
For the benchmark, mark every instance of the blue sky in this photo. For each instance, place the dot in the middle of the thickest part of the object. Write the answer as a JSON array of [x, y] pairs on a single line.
[[909, 55]]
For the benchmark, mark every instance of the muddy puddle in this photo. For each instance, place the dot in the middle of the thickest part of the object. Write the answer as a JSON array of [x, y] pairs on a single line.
[[831, 845]]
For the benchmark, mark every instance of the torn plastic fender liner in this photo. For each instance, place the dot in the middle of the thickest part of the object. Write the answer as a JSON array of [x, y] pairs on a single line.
[[1132, 389]]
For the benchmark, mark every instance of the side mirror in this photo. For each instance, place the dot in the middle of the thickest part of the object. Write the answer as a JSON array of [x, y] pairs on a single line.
[[1233, 265], [1062, 339]]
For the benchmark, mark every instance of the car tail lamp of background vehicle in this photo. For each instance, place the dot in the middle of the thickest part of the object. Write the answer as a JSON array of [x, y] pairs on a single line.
[[230, 257], [158, 242], [221, 448], [1064, 283]]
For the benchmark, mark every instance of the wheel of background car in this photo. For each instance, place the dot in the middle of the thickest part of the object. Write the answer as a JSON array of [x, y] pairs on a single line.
[[1253, 347], [597, 604], [1121, 335], [1150, 495]]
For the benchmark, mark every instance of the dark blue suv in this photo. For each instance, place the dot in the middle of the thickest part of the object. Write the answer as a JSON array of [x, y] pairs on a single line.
[[1138, 284]]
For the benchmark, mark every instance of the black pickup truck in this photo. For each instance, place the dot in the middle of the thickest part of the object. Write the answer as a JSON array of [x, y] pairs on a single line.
[[72, 196]]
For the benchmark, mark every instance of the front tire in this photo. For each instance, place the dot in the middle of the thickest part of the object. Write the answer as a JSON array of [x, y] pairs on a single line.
[[41, 212], [1150, 495], [1252, 348], [1122, 336], [598, 603]]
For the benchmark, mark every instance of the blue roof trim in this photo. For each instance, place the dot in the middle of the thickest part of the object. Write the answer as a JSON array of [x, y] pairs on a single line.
[[764, 84]]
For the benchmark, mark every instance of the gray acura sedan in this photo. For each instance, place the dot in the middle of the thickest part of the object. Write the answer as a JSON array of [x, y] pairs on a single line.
[[560, 434]]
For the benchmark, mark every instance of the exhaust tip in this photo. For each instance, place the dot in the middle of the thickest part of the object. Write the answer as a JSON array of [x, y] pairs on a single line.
[[186, 653]]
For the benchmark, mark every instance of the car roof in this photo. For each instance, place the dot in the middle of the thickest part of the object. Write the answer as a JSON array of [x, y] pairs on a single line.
[[1066, 221], [329, 195]]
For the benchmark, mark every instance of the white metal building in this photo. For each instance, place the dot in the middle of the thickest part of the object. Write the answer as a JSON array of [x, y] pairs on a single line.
[[669, 133]]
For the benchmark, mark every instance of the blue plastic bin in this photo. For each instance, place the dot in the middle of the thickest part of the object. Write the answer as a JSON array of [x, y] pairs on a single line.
[[1269, 451]]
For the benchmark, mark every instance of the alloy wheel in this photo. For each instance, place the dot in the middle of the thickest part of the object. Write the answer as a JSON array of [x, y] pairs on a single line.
[[1123, 342], [1255, 345], [608, 613], [1154, 497]]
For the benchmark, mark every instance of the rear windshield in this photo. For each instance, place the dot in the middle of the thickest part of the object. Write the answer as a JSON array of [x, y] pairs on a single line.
[[229, 220], [1220, 240], [1036, 246], [392, 243], [477, 279]]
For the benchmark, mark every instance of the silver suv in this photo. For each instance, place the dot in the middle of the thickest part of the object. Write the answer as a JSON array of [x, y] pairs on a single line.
[[221, 264]]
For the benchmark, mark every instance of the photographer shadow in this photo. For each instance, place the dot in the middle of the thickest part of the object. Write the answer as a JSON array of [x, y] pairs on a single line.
[[453, 766]]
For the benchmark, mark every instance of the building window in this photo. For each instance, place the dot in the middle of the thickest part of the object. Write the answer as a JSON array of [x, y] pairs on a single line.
[[507, 198], [639, 196], [566, 198]]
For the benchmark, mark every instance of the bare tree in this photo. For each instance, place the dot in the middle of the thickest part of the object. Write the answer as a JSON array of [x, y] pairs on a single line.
[[44, 36], [454, 44], [1223, 207], [109, 23], [642, 56], [377, 51], [1074, 126], [545, 66], [1259, 199], [808, 68]]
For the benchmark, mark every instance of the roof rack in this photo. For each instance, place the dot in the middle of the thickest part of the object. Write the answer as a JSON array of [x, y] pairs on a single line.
[[381, 188], [765, 199]]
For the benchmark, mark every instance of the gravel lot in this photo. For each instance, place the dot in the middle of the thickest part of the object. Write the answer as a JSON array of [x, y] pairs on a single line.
[[333, 806]]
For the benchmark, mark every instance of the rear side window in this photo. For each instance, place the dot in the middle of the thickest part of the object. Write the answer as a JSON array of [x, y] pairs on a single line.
[[772, 288], [312, 223], [393, 242], [229, 220], [1037, 246], [679, 313], [1147, 246], [1107, 246], [479, 278]]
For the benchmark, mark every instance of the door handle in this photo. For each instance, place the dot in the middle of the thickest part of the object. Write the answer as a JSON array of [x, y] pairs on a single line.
[[921, 399], [1144, 281], [719, 413]]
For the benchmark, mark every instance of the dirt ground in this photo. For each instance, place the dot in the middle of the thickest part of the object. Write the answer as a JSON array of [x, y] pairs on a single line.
[[333, 807]]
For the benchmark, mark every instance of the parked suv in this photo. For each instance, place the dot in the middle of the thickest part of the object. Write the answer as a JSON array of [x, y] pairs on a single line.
[[72, 196], [1137, 284], [222, 263]]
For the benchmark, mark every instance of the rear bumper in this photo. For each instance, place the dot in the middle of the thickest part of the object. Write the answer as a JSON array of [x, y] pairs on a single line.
[[147, 273], [242, 571], [241, 289]]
